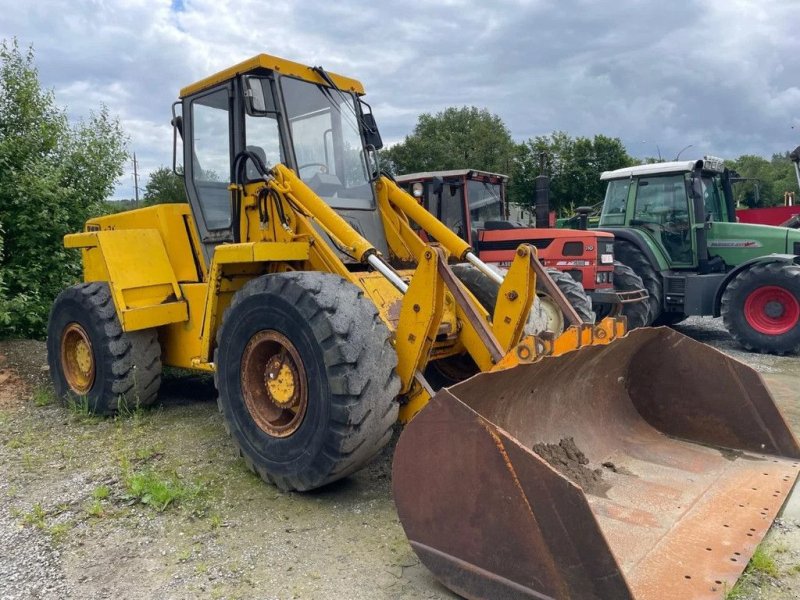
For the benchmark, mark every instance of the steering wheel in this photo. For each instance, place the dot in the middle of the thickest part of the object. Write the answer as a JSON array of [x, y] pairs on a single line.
[[323, 168]]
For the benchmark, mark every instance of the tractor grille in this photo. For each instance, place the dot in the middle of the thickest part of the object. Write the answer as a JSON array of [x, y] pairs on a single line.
[[676, 285]]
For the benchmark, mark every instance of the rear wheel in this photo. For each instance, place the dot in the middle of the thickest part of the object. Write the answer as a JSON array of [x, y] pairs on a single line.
[[306, 377], [630, 255], [92, 360], [761, 308]]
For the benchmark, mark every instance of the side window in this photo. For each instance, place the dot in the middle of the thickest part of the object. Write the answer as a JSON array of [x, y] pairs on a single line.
[[211, 157], [616, 201], [453, 208], [262, 134]]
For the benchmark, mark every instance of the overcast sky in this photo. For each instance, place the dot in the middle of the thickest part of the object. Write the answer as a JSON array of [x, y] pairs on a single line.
[[721, 75]]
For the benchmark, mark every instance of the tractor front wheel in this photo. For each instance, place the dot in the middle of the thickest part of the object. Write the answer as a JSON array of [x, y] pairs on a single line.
[[630, 255], [761, 308], [92, 360], [305, 372]]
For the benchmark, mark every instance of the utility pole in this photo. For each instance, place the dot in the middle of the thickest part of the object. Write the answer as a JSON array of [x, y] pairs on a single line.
[[135, 181]]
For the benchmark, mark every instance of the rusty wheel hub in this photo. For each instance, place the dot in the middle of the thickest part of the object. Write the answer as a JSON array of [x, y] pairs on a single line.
[[77, 359], [274, 383]]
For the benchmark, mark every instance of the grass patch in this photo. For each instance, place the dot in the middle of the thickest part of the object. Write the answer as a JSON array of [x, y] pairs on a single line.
[[762, 562], [159, 490], [43, 396], [101, 492], [59, 531], [35, 517], [81, 409]]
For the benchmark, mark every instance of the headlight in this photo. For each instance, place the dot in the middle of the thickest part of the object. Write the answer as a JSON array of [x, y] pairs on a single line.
[[417, 189], [607, 259]]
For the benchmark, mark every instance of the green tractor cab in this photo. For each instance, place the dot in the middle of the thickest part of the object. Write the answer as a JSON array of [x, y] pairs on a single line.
[[675, 224]]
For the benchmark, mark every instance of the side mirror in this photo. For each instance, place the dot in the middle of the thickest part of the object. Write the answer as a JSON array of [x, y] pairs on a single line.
[[371, 133], [254, 99]]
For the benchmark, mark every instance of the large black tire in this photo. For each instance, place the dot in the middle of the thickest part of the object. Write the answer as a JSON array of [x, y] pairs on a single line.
[[351, 384], [572, 290], [126, 366], [486, 290], [761, 308], [626, 280], [630, 255]]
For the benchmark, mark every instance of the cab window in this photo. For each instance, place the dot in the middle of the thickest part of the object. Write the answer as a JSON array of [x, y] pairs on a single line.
[[211, 157]]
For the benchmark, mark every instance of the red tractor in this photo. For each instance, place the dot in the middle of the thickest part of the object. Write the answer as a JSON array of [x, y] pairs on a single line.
[[473, 204]]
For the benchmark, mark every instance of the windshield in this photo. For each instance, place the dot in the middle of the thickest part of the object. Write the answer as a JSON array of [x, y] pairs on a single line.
[[615, 203], [713, 195], [485, 203], [327, 143]]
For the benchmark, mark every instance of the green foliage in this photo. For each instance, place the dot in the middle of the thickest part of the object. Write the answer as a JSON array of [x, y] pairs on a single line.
[[164, 186], [53, 176], [158, 490], [574, 166], [456, 138], [774, 176], [43, 396]]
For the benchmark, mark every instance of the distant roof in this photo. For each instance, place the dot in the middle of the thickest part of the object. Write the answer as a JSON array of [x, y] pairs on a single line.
[[443, 174], [652, 169]]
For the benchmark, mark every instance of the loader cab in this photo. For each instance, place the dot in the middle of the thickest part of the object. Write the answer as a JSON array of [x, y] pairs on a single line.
[[269, 111], [466, 200]]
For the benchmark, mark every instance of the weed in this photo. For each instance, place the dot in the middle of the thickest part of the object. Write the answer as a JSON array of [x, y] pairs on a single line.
[[43, 396], [158, 490], [59, 531], [35, 517], [762, 562], [95, 509], [15, 443], [215, 521], [101, 492], [81, 409]]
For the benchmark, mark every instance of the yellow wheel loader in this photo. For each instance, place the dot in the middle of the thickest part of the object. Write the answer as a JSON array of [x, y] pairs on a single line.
[[590, 465]]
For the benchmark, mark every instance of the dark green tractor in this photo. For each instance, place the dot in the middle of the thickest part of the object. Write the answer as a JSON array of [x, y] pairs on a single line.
[[675, 224]]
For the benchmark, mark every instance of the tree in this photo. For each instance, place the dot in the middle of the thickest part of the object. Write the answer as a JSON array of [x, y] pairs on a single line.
[[164, 186], [574, 166], [53, 176], [456, 138]]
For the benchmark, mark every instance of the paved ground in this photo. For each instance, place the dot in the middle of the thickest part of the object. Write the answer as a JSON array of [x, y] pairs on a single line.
[[79, 516]]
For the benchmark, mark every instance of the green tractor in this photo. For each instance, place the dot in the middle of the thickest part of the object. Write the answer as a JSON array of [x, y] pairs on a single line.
[[675, 224]]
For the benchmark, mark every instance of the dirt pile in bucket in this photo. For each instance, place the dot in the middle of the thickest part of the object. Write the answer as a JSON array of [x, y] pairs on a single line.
[[566, 458]]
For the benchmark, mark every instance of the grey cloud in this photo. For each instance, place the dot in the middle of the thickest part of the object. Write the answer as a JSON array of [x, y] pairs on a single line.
[[717, 74]]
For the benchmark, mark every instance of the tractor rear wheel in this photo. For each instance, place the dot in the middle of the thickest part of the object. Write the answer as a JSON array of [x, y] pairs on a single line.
[[630, 255], [92, 360], [761, 308], [305, 372], [626, 280], [485, 291]]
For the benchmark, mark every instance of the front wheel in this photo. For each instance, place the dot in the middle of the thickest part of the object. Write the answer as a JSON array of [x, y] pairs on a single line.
[[761, 308], [305, 372], [626, 280]]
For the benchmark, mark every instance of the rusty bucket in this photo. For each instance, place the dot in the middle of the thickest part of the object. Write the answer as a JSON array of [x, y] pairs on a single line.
[[649, 468]]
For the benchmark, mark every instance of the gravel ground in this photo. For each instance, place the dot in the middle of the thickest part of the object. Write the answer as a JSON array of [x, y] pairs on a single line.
[[71, 527]]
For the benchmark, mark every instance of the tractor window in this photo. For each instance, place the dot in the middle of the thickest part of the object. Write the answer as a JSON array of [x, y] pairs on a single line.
[[616, 202], [327, 143], [453, 208], [485, 203], [211, 157], [662, 208], [713, 196], [263, 138]]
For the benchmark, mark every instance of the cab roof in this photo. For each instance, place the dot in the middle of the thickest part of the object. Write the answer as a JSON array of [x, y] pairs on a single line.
[[273, 63], [681, 166], [451, 173]]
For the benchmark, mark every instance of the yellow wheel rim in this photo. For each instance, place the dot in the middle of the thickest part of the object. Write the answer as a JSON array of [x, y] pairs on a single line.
[[274, 385], [77, 359]]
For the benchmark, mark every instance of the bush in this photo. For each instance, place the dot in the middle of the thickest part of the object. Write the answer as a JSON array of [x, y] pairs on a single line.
[[53, 176]]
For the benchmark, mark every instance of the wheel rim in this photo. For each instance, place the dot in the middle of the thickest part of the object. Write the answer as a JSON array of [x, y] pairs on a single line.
[[274, 383], [77, 359], [553, 314], [772, 310]]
